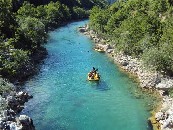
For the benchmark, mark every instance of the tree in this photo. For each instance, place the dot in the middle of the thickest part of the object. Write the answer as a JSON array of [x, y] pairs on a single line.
[[56, 13], [12, 61], [33, 30], [7, 21], [99, 19], [79, 13], [139, 28], [26, 10]]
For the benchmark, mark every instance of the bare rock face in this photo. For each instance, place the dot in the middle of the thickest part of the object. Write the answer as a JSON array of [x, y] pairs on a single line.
[[159, 116], [105, 47], [16, 101], [165, 115], [9, 107], [165, 84], [82, 30], [25, 123]]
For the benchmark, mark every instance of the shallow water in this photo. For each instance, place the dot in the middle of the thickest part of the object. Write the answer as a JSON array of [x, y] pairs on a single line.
[[65, 100]]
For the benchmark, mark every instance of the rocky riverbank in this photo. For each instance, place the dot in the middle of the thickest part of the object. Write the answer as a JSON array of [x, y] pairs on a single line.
[[163, 118], [11, 103]]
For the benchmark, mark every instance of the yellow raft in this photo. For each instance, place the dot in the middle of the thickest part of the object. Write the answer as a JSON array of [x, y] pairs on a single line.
[[95, 78]]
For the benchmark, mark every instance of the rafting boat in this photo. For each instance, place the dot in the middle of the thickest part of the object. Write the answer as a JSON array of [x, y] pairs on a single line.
[[95, 77]]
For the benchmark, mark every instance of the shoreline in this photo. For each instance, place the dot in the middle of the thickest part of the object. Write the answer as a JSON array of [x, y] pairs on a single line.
[[12, 101], [11, 104], [162, 118], [13, 98]]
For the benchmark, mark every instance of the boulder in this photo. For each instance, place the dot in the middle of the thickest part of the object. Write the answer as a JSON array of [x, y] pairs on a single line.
[[124, 63], [82, 29], [159, 116], [26, 122], [105, 47], [110, 51], [165, 84]]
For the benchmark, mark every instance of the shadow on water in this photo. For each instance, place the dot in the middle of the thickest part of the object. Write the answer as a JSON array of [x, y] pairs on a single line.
[[100, 85]]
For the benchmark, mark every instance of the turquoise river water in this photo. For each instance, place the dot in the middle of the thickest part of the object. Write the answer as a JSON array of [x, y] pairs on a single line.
[[64, 100]]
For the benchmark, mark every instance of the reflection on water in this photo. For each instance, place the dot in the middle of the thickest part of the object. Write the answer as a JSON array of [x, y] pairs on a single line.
[[99, 85]]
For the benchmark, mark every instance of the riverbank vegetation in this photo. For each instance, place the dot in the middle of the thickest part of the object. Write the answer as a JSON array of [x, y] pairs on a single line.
[[142, 29], [23, 30]]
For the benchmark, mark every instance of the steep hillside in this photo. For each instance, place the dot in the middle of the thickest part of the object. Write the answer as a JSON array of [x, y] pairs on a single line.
[[24, 26], [141, 29]]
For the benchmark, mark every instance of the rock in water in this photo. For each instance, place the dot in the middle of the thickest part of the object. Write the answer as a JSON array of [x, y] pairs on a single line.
[[25, 122]]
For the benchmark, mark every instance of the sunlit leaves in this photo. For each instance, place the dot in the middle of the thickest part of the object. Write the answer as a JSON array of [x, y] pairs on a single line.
[[34, 30], [11, 59], [141, 28]]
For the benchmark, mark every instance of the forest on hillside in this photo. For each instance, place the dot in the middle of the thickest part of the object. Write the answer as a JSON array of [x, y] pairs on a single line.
[[24, 26], [139, 28]]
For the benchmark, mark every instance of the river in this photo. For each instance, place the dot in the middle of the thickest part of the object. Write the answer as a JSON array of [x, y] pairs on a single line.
[[64, 100]]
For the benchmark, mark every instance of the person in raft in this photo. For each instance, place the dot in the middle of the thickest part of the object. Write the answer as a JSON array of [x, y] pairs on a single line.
[[93, 73]]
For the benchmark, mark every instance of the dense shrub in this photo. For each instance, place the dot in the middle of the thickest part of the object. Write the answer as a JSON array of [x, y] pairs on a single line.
[[12, 61], [24, 26], [142, 29], [79, 13]]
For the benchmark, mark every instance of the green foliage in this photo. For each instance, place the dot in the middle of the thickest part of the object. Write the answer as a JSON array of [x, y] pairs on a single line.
[[12, 61], [41, 14], [170, 92], [79, 13], [7, 21], [139, 28], [99, 19], [33, 30], [158, 59], [161, 56], [23, 27], [26, 10], [132, 31], [5, 87], [56, 13]]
